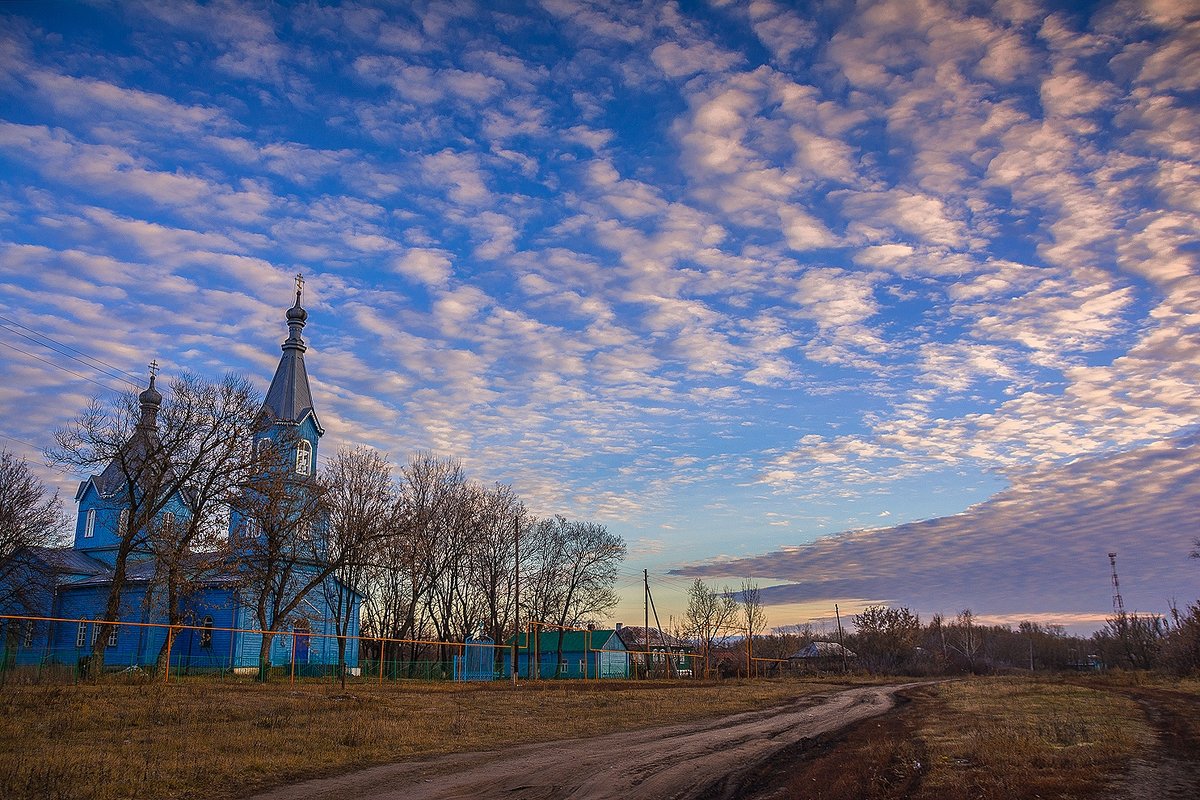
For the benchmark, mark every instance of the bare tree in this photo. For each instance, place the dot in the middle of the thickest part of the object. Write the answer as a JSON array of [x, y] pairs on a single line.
[[492, 559], [885, 637], [709, 617], [754, 617], [432, 494], [361, 501], [1133, 641], [189, 552], [30, 516], [281, 544], [150, 450], [590, 558], [966, 637]]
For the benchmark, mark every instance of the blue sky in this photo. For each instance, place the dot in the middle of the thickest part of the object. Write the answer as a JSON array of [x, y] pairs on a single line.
[[769, 289]]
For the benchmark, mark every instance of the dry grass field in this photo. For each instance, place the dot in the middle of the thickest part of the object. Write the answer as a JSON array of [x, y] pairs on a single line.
[[974, 738], [225, 739], [1001, 739]]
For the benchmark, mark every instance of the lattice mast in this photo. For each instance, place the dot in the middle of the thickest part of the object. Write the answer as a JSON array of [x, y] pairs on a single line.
[[1118, 603]]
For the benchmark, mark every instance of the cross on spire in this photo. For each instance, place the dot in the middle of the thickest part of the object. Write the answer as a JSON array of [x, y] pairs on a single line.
[[299, 283], [154, 368]]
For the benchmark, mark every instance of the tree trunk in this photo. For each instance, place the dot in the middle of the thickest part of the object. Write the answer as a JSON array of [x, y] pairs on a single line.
[[264, 654], [112, 610]]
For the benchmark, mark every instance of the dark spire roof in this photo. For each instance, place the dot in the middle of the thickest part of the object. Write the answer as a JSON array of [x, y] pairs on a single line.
[[289, 399], [141, 445], [150, 400]]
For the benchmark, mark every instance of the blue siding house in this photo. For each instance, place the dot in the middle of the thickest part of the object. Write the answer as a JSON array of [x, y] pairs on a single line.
[[583, 652], [74, 583]]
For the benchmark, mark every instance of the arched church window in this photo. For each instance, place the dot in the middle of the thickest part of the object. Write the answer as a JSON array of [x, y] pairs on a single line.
[[262, 452], [81, 634], [89, 525], [206, 635], [168, 520], [303, 457], [250, 527], [112, 635]]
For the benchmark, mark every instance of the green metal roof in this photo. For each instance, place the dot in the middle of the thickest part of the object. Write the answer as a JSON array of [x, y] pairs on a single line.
[[573, 641]]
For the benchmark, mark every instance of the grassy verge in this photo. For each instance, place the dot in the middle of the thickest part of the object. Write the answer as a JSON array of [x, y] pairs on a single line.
[[983, 739], [213, 740]]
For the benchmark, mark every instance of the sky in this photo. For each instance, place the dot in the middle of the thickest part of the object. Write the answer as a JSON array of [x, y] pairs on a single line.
[[882, 302]]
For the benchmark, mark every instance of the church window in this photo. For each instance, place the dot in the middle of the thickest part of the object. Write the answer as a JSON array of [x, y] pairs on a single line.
[[262, 450], [95, 629], [168, 520], [123, 522], [89, 524], [304, 457], [81, 634], [206, 634], [112, 635], [29, 633]]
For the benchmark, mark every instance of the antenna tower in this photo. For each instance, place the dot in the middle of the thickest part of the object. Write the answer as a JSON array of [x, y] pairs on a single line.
[[1118, 603]]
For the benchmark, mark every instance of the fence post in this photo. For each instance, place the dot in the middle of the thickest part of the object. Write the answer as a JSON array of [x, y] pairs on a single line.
[[292, 680], [170, 641]]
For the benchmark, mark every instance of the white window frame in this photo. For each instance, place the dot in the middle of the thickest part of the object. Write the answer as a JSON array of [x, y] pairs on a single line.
[[89, 524], [168, 520], [81, 634], [29, 633], [304, 457], [114, 628], [206, 632], [95, 630]]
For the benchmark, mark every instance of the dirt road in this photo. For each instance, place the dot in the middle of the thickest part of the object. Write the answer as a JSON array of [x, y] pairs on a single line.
[[692, 760]]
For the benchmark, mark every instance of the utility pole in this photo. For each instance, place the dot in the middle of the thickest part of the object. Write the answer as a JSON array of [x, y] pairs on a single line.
[[841, 644], [517, 593], [646, 628]]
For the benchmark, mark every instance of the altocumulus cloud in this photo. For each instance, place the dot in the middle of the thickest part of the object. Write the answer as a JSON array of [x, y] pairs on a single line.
[[726, 277], [1040, 544]]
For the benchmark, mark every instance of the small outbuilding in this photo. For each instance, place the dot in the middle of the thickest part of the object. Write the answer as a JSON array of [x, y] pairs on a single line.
[[821, 656]]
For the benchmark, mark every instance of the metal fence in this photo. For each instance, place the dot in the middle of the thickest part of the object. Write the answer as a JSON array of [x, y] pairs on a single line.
[[32, 650]]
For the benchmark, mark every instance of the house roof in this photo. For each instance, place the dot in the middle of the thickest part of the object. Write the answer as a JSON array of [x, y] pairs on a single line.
[[289, 398], [634, 638], [67, 561], [142, 571], [822, 650], [573, 641]]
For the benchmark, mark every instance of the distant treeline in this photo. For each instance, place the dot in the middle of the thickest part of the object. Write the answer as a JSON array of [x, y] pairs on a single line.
[[895, 640]]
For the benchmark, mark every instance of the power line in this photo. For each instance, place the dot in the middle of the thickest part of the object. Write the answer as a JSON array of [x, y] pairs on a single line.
[[59, 366], [112, 371], [20, 441]]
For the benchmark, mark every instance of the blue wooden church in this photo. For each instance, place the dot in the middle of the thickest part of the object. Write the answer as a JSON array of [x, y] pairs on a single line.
[[73, 583]]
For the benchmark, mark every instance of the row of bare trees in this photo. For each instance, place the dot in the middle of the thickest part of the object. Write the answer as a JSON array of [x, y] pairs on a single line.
[[448, 565], [428, 553]]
